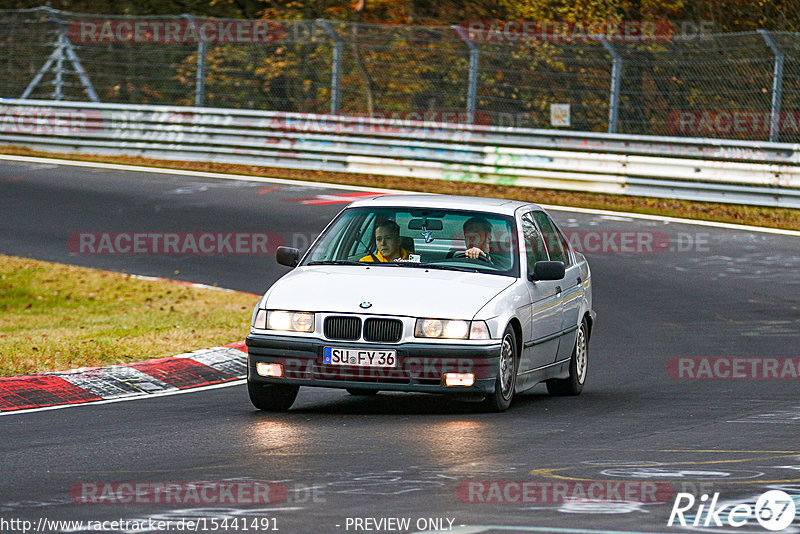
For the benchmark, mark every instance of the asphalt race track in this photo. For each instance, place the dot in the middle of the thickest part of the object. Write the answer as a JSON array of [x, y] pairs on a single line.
[[338, 459]]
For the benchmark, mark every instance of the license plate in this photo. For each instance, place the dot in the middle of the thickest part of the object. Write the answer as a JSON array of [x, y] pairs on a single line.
[[359, 357]]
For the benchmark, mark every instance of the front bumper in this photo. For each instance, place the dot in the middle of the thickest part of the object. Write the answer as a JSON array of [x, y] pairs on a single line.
[[420, 366]]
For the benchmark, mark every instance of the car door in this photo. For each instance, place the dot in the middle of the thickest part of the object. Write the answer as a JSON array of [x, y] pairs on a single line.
[[541, 343], [571, 286]]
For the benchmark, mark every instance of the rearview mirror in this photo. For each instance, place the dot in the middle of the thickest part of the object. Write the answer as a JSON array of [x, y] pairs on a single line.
[[287, 256], [548, 270], [428, 224]]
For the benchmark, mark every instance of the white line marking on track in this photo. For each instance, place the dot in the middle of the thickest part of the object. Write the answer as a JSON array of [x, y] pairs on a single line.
[[199, 174], [137, 168], [742, 227], [130, 398]]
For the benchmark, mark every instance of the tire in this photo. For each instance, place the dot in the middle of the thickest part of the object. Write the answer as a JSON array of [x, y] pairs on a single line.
[[578, 366], [272, 397], [362, 392], [506, 380]]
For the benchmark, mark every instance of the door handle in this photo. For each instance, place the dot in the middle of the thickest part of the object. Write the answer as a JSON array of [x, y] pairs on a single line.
[[580, 281], [558, 289]]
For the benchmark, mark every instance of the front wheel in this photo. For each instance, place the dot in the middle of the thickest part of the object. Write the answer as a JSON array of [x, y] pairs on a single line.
[[578, 365], [500, 400], [272, 397]]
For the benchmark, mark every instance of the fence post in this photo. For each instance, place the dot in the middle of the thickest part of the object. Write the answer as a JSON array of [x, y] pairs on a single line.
[[472, 82], [200, 81], [336, 64], [616, 80], [200, 86], [777, 86], [472, 88]]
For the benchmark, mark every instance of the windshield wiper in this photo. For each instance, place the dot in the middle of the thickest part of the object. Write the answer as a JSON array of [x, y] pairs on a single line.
[[415, 265], [335, 262], [448, 268], [395, 264]]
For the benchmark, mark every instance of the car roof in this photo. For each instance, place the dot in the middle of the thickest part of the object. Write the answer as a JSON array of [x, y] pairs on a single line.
[[492, 205]]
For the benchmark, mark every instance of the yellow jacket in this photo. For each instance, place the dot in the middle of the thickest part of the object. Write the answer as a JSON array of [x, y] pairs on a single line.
[[371, 259]]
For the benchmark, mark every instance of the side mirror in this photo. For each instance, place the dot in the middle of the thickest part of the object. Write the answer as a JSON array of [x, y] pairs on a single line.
[[548, 270], [288, 256]]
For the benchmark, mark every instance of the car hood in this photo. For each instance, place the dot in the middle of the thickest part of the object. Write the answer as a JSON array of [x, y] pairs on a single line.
[[405, 291]]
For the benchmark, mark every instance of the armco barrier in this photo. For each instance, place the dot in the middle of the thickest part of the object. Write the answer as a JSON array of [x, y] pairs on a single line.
[[756, 173]]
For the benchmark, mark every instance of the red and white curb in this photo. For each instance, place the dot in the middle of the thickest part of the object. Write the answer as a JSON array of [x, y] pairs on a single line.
[[204, 367]]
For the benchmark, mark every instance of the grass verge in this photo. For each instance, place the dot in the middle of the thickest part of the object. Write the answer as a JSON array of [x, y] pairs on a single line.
[[709, 211], [55, 317]]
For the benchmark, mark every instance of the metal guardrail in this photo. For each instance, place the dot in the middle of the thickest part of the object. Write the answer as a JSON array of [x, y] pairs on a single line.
[[757, 173]]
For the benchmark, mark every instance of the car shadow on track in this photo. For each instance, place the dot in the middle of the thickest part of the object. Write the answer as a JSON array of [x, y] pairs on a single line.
[[387, 403]]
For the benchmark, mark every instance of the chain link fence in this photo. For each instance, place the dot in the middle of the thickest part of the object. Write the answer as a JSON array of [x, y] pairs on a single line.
[[740, 86]]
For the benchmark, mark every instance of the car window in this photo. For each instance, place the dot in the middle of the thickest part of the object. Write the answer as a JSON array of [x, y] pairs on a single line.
[[365, 227], [427, 238], [551, 237], [534, 244], [565, 246]]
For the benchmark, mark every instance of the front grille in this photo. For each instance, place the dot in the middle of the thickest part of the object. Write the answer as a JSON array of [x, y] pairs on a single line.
[[383, 330], [344, 328]]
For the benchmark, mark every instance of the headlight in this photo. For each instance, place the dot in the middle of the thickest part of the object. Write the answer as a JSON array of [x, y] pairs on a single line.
[[287, 320], [451, 329]]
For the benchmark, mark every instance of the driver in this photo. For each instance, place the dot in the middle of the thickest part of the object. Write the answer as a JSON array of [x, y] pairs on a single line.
[[478, 237], [387, 240]]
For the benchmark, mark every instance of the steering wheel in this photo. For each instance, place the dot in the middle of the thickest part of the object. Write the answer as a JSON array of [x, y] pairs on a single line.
[[462, 254]]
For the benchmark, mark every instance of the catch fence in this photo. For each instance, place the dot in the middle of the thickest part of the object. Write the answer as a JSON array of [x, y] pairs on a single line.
[[736, 86]]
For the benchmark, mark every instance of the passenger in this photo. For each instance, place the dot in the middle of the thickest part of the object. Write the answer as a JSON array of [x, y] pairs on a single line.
[[387, 240], [478, 237]]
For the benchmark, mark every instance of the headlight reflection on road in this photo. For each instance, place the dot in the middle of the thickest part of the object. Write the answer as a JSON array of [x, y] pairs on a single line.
[[266, 436], [455, 442]]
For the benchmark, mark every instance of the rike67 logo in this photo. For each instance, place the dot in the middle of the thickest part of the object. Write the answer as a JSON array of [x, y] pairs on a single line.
[[774, 510]]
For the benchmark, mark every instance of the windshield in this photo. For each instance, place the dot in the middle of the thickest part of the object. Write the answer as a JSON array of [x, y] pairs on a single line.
[[419, 238]]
